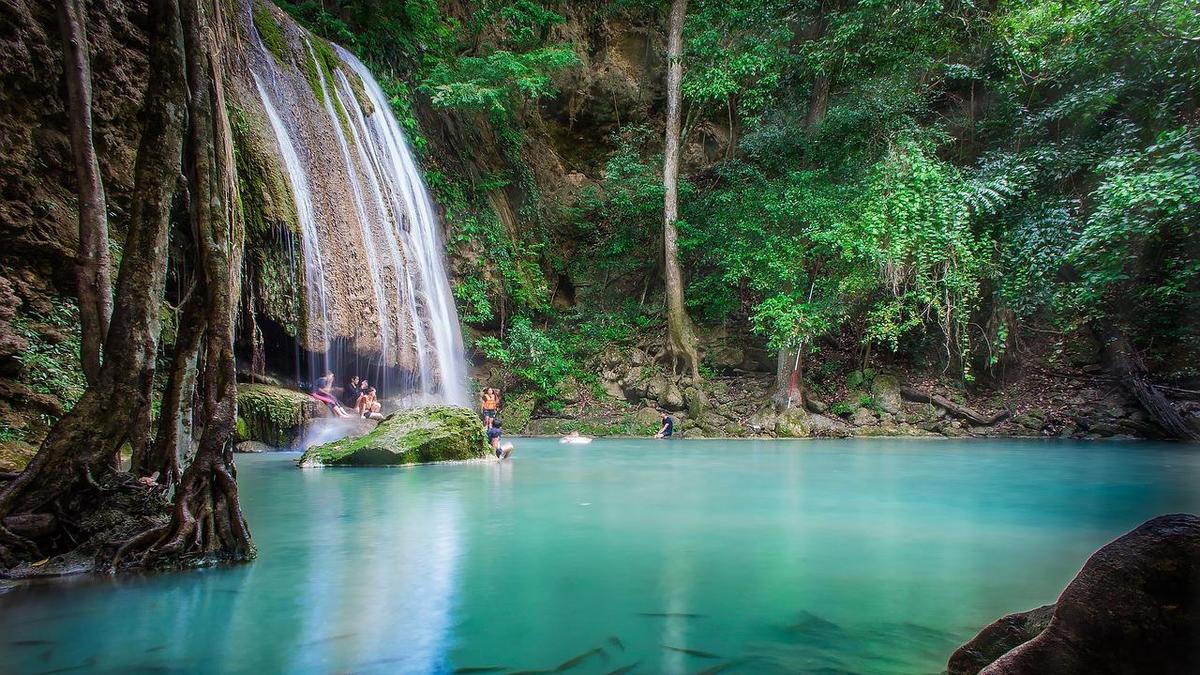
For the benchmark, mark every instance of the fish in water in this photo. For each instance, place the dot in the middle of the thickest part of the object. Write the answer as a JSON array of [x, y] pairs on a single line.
[[30, 643], [625, 669], [88, 664], [332, 638], [480, 669], [616, 642], [693, 652], [671, 615], [571, 663], [532, 672]]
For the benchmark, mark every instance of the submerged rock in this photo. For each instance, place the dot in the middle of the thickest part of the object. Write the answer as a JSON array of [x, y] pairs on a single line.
[[1133, 608], [414, 436], [274, 415]]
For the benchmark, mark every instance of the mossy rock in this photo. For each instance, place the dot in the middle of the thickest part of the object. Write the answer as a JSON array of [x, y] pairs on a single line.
[[414, 436], [274, 415]]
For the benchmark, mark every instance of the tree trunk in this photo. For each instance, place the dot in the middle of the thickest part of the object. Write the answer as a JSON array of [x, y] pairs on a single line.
[[91, 263], [207, 521], [173, 440], [1125, 363], [85, 440], [789, 379], [818, 103], [952, 408], [681, 339], [818, 97]]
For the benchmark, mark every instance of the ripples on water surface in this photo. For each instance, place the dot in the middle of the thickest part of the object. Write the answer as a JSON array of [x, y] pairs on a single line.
[[871, 556]]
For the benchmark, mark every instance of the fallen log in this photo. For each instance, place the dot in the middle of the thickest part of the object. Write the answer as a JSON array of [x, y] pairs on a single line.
[[1126, 364], [960, 411]]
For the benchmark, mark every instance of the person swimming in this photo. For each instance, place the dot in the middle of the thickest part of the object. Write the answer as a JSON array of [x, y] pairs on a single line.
[[575, 437]]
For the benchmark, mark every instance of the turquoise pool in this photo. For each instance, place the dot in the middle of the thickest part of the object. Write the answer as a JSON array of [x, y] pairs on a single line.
[[872, 556]]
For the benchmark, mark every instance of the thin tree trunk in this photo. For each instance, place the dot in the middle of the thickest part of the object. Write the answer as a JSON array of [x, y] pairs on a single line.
[[92, 281], [681, 339], [818, 103], [86, 438], [173, 439], [818, 97]]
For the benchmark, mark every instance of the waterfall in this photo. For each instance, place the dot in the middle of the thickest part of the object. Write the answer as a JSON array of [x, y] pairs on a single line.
[[377, 296], [314, 276], [422, 235]]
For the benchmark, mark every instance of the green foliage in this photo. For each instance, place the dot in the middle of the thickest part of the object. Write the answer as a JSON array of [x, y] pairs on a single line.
[[50, 364], [841, 409], [495, 83], [269, 31]]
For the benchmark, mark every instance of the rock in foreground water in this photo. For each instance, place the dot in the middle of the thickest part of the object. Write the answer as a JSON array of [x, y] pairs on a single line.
[[1133, 608], [415, 436]]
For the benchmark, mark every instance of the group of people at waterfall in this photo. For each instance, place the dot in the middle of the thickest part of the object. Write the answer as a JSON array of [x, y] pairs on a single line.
[[357, 394]]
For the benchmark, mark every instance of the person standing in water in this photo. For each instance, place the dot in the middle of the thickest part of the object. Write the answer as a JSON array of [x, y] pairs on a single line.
[[668, 425]]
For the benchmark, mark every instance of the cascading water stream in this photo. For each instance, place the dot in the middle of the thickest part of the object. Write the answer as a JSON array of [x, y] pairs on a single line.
[[421, 226], [314, 266], [372, 257], [378, 300]]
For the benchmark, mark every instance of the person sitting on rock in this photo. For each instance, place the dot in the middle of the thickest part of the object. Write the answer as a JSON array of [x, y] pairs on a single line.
[[354, 390], [368, 406], [668, 425], [324, 394]]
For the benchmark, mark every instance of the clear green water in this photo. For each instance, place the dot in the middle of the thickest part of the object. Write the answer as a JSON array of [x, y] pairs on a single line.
[[872, 556]]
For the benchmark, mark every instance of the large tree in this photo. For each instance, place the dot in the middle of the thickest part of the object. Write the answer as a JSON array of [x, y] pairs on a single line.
[[186, 133], [681, 338]]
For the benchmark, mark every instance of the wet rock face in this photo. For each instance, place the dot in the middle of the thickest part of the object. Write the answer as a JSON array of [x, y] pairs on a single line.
[[415, 436], [1133, 608]]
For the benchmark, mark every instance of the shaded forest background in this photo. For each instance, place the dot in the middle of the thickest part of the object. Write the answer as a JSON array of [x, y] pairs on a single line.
[[966, 190]]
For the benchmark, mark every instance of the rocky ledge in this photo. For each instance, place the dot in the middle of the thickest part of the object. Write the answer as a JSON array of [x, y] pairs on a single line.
[[274, 416], [1133, 608], [414, 436]]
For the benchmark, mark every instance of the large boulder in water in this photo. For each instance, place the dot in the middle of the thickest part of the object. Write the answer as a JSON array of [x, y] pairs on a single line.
[[1133, 608], [275, 415], [413, 436]]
